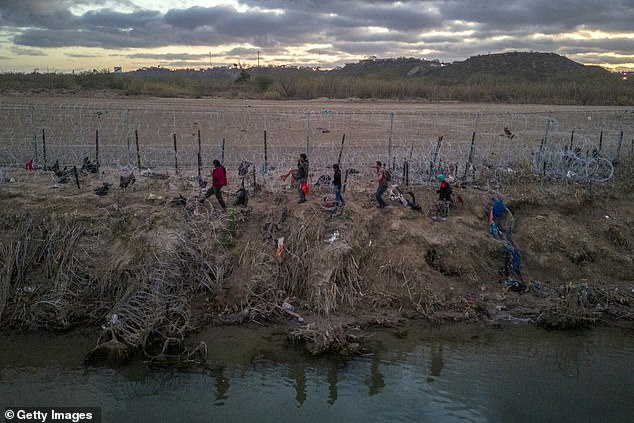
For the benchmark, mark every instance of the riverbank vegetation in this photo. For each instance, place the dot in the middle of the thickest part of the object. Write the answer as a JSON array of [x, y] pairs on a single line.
[[525, 78], [149, 268]]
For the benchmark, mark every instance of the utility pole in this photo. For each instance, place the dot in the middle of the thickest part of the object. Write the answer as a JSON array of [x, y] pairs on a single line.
[[258, 58]]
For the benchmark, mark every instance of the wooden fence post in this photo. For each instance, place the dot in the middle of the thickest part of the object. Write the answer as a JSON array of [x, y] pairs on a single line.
[[343, 139]]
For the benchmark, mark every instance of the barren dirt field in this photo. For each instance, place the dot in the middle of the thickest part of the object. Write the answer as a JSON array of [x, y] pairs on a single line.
[[151, 263]]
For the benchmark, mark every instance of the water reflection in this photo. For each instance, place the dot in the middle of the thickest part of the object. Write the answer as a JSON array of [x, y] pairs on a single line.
[[332, 382], [221, 385], [296, 372], [484, 378], [376, 381], [436, 362]]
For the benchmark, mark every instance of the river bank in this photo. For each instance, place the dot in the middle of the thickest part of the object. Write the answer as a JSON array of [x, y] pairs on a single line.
[[150, 265]]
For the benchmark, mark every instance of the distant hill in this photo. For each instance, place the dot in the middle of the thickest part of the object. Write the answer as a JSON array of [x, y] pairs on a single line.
[[518, 66], [494, 68], [512, 67], [401, 67], [518, 77]]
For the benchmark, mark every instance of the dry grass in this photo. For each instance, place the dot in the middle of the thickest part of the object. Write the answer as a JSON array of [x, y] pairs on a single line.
[[326, 337], [583, 304]]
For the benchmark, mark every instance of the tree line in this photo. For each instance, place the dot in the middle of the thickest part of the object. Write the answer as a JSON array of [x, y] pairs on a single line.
[[291, 83]]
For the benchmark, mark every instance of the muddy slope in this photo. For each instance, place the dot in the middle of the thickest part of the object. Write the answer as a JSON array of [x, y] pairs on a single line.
[[150, 269]]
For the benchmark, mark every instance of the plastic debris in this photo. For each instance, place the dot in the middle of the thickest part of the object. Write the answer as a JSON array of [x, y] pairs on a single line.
[[334, 237], [114, 319], [151, 196], [280, 247]]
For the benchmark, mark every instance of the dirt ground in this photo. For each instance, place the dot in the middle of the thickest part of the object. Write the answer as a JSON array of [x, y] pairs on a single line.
[[393, 263], [167, 265]]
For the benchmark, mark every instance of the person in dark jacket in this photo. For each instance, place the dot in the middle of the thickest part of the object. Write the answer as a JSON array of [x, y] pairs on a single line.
[[336, 182], [444, 198], [218, 180], [501, 218], [302, 176]]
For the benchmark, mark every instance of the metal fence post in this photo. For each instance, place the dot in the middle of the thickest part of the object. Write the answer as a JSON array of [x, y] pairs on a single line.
[[138, 155], [127, 132], [44, 146], [200, 158], [175, 154], [32, 112], [266, 155], [389, 147]]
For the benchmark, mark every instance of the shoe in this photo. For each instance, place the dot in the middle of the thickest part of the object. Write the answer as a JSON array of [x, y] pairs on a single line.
[[301, 201]]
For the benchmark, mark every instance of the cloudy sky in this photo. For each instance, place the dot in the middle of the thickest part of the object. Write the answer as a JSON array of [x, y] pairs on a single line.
[[66, 35]]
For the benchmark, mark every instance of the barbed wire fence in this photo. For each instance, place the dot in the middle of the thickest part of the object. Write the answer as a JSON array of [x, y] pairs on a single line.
[[578, 145]]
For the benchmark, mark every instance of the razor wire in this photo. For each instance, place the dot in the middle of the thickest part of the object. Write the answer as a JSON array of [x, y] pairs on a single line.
[[459, 143]]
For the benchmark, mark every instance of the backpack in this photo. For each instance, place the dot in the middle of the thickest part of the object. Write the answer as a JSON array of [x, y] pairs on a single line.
[[499, 209], [387, 175]]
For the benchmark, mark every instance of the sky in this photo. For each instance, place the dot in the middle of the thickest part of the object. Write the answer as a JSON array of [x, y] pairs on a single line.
[[83, 35]]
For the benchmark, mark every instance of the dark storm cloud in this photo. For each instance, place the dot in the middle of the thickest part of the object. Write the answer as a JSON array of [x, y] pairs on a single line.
[[168, 56], [545, 15], [598, 59], [619, 46], [21, 51], [344, 27], [36, 13], [240, 51], [112, 19], [89, 38], [81, 56], [195, 17]]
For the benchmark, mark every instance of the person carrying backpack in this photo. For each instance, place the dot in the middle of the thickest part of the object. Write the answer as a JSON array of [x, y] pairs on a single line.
[[218, 180], [382, 178], [444, 198], [501, 217], [302, 176]]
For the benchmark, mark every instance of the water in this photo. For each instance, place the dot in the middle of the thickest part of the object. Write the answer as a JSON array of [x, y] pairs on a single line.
[[455, 373]]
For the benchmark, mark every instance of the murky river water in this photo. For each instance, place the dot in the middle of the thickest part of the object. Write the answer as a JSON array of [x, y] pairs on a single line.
[[455, 373]]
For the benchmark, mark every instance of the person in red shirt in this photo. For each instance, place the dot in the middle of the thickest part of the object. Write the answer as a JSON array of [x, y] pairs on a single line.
[[218, 180], [444, 198]]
